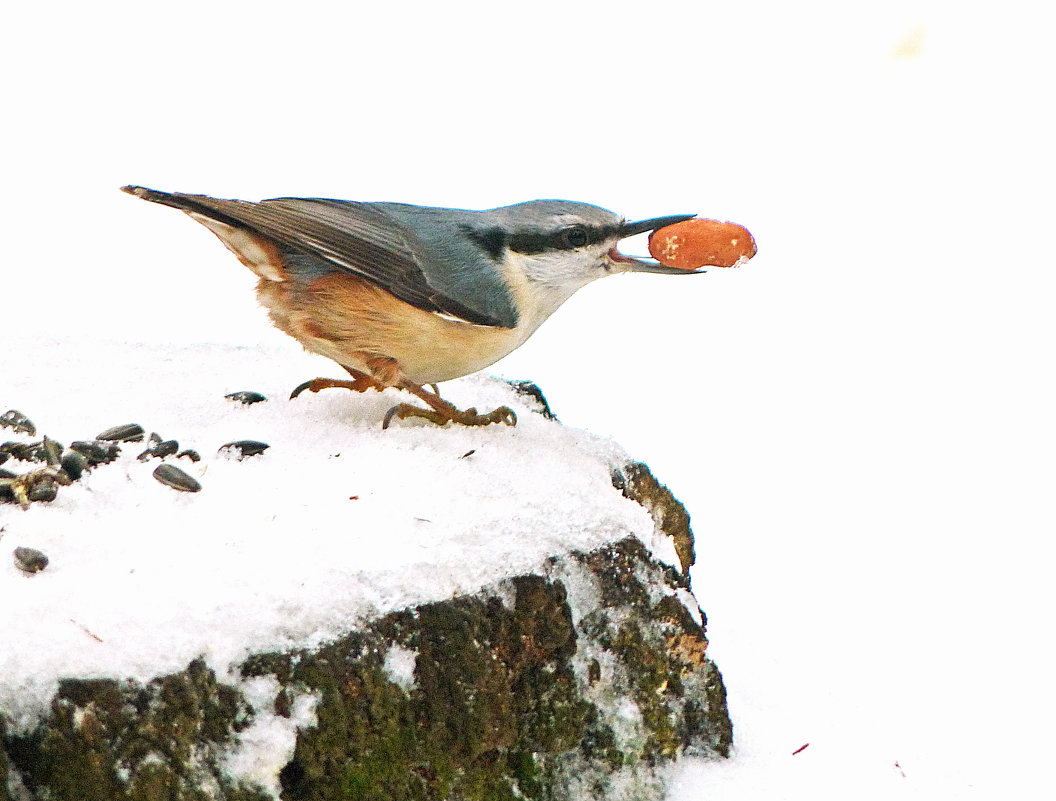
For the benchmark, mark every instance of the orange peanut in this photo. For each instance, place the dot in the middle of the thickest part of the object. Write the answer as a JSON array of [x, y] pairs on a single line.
[[700, 243]]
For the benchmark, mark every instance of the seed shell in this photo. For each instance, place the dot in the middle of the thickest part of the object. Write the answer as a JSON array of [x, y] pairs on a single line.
[[244, 448], [172, 476], [30, 560], [13, 418], [129, 432]]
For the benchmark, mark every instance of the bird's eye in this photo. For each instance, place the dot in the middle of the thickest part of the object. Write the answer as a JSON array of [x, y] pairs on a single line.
[[573, 237]]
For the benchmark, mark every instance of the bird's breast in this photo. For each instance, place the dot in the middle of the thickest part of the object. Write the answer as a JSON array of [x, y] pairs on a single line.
[[349, 320]]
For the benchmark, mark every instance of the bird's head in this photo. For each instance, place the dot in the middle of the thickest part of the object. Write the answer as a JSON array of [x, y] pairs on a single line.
[[559, 246], [567, 243]]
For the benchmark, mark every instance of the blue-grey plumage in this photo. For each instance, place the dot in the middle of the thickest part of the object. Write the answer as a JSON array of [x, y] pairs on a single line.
[[404, 295]]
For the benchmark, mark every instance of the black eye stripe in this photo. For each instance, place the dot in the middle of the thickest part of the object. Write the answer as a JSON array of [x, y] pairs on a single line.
[[533, 242], [493, 240]]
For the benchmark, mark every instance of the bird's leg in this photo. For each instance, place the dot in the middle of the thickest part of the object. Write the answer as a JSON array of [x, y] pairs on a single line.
[[360, 382], [387, 374], [441, 412]]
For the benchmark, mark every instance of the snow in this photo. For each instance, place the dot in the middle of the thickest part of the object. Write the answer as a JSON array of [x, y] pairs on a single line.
[[399, 665], [859, 420], [265, 747], [338, 521]]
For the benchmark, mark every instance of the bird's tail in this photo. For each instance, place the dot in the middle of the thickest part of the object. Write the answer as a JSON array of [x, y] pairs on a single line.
[[153, 195], [253, 248], [177, 200]]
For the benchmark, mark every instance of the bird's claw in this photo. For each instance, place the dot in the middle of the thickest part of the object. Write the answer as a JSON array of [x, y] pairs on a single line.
[[440, 412], [469, 417], [309, 385], [361, 383]]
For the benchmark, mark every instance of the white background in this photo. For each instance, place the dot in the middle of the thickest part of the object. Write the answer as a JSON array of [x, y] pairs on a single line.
[[860, 421]]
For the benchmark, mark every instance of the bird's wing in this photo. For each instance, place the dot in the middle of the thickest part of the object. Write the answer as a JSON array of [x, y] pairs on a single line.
[[356, 237]]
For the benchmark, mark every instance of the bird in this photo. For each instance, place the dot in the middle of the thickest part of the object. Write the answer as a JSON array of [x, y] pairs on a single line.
[[409, 296]]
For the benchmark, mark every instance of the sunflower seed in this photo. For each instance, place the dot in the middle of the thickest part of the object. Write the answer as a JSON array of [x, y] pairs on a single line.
[[246, 397], [43, 489], [129, 432], [13, 418], [96, 451], [159, 449], [52, 452], [74, 464], [25, 451], [30, 560], [172, 476], [244, 448]]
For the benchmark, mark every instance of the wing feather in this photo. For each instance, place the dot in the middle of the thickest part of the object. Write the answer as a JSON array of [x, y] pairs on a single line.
[[357, 237]]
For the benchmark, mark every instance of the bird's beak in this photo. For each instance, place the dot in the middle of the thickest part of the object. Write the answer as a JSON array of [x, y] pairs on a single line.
[[637, 265]]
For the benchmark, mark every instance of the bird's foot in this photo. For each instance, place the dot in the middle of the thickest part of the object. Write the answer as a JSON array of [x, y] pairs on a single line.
[[469, 417], [441, 412], [360, 383]]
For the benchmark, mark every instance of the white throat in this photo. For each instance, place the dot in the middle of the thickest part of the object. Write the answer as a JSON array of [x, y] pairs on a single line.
[[541, 283]]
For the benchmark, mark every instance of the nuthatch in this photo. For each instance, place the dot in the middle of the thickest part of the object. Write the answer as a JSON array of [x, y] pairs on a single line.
[[405, 296]]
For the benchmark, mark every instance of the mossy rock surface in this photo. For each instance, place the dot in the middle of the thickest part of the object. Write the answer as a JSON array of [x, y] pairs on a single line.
[[574, 682], [106, 739], [3, 762], [638, 483]]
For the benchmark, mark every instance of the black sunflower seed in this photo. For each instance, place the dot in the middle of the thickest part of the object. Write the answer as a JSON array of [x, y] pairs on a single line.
[[244, 448], [172, 476], [129, 432], [13, 418], [246, 397], [30, 560]]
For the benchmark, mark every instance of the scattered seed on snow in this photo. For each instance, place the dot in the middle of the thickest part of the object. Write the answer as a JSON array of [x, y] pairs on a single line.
[[96, 451], [243, 448], [129, 432], [13, 418], [159, 449], [30, 560], [246, 397], [172, 476], [74, 464]]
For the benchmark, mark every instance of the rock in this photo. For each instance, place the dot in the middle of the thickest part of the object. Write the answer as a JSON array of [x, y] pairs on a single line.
[[106, 740], [636, 482], [529, 389], [505, 625], [573, 683], [3, 762]]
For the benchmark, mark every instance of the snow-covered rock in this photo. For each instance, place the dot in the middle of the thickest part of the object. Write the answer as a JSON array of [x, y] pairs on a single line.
[[354, 613]]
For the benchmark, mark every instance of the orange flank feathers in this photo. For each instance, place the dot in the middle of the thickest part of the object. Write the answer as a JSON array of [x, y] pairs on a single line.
[[701, 243]]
